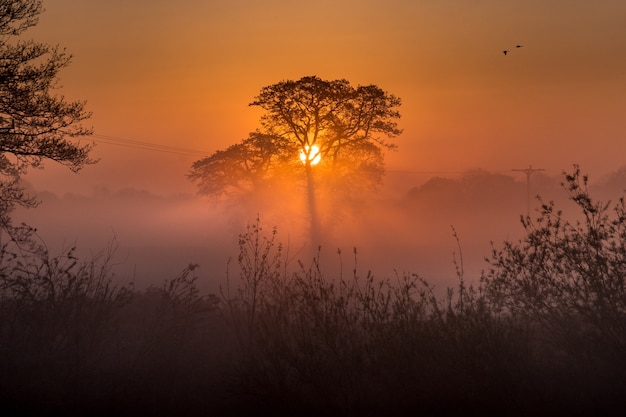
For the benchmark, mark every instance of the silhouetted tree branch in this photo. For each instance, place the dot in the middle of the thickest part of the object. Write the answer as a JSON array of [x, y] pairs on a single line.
[[35, 123]]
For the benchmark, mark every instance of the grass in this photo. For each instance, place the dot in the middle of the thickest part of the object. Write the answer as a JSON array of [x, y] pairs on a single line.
[[542, 333]]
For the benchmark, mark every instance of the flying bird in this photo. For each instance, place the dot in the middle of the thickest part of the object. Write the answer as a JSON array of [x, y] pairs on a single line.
[[506, 51]]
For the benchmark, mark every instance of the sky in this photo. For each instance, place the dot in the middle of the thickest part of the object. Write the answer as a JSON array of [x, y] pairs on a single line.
[[182, 74], [170, 82]]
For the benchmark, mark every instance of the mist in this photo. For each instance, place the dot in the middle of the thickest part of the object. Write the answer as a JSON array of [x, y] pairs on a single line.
[[419, 228]]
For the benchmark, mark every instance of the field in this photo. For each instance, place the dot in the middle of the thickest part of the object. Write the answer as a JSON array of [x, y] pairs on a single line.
[[543, 333]]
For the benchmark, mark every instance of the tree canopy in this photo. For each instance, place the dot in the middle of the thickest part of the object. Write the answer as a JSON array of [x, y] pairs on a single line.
[[346, 128], [36, 123], [332, 115], [328, 135]]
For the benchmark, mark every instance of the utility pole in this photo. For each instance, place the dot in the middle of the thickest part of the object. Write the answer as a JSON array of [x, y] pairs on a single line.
[[528, 171]]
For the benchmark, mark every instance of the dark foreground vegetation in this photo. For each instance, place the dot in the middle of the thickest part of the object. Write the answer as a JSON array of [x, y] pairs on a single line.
[[542, 333]]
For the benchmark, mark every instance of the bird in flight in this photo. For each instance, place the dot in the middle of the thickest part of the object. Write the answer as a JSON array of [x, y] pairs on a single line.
[[506, 51]]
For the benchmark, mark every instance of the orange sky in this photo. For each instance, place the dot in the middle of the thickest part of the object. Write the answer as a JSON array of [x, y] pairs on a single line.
[[182, 74]]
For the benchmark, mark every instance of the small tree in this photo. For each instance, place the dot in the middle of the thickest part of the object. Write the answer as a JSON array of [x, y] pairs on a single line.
[[328, 134], [35, 123]]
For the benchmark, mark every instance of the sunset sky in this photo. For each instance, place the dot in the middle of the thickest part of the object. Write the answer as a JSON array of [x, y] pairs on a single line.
[[181, 75]]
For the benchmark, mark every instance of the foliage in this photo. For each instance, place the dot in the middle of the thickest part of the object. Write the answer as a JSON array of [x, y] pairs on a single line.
[[333, 115], [348, 125], [541, 333], [35, 122], [245, 167], [358, 345], [341, 130], [56, 314], [76, 341], [569, 276]]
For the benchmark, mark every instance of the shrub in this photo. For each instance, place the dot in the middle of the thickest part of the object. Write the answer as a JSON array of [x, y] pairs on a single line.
[[55, 315], [74, 341], [566, 279]]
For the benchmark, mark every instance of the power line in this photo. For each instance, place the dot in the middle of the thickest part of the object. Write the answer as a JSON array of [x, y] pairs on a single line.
[[136, 144], [403, 171], [406, 171]]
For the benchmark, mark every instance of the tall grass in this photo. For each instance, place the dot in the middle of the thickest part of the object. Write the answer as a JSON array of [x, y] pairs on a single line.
[[357, 344], [542, 332], [56, 313]]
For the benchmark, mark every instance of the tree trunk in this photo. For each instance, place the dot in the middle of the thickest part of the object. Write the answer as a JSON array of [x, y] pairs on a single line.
[[315, 226]]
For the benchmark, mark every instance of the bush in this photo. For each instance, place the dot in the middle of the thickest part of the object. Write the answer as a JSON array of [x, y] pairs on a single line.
[[56, 313], [74, 341], [566, 280]]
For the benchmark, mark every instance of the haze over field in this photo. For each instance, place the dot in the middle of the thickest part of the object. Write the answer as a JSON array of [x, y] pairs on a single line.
[[169, 84], [357, 207]]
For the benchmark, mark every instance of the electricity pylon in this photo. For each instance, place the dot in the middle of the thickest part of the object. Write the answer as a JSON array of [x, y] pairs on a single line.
[[528, 171]]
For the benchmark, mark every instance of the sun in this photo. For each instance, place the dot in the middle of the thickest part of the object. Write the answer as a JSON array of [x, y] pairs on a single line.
[[313, 155]]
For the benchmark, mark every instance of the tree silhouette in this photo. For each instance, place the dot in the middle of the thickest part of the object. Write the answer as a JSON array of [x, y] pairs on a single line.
[[328, 134], [35, 123], [244, 167]]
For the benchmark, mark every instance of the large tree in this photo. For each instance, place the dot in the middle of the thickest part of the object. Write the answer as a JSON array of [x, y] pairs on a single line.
[[328, 133], [36, 123]]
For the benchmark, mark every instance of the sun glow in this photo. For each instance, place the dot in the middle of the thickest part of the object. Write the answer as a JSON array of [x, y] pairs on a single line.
[[313, 155]]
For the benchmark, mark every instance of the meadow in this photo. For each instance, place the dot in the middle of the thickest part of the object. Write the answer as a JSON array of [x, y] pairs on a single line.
[[542, 333]]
